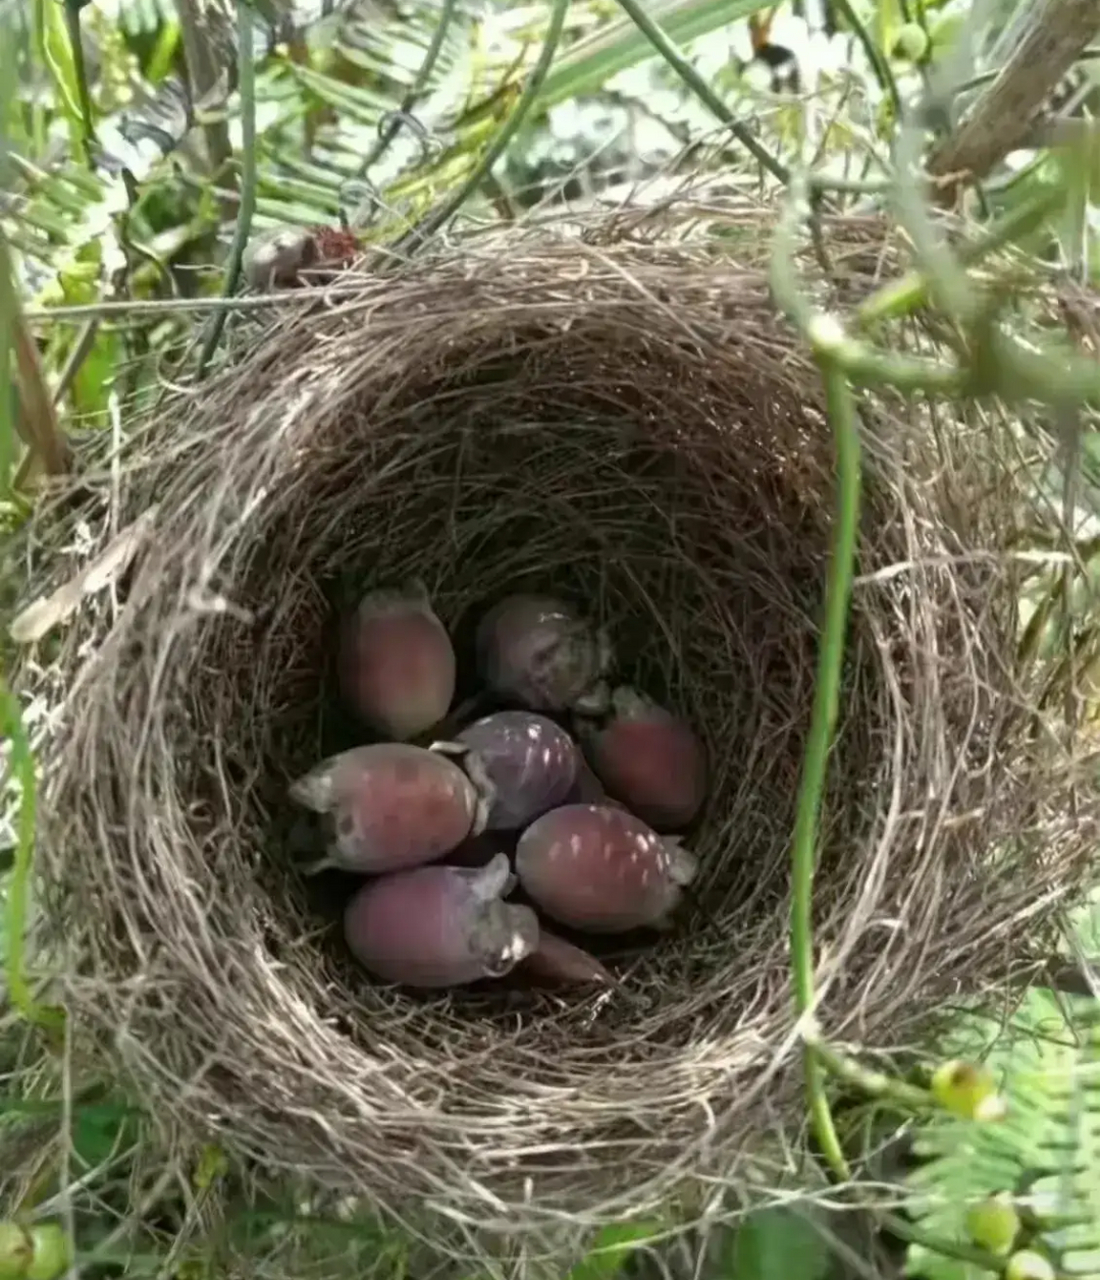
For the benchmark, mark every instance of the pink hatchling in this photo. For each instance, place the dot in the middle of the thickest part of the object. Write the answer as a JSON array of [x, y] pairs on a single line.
[[538, 651], [397, 663], [530, 761], [392, 806], [650, 759], [440, 926], [601, 869]]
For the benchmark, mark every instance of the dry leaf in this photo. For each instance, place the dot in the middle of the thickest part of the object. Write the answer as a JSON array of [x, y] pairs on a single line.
[[43, 614]]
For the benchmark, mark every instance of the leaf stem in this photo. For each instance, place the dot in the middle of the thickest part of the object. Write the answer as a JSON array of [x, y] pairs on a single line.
[[702, 90], [247, 88], [416, 236]]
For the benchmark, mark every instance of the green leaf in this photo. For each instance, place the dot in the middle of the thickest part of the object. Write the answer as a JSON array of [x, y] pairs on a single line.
[[611, 1248], [776, 1244], [592, 61], [101, 1131]]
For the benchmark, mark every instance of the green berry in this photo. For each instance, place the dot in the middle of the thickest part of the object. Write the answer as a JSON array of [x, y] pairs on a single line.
[[1027, 1265], [993, 1223], [16, 1248], [968, 1090], [910, 43], [52, 1255]]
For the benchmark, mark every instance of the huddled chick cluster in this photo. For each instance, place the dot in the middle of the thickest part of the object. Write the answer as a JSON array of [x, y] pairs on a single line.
[[594, 809]]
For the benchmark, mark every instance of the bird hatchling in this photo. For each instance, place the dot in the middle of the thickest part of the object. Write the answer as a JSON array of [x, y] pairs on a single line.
[[530, 761], [273, 258], [601, 869], [397, 663], [538, 651], [650, 759], [391, 806], [440, 926], [556, 961]]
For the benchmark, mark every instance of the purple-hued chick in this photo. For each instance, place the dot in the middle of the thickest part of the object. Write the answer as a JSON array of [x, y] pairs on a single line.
[[530, 761], [440, 926], [392, 806], [556, 961], [540, 652], [397, 663], [601, 869], [650, 759]]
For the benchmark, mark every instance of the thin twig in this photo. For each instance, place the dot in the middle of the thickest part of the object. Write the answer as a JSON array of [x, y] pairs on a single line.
[[247, 206], [72, 24], [880, 65], [702, 90], [423, 76], [415, 237]]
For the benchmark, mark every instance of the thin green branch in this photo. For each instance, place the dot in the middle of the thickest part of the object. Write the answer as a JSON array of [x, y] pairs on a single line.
[[423, 76], [80, 70], [702, 90], [21, 762], [417, 235], [905, 1230], [842, 415], [904, 296], [876, 1084], [880, 65], [247, 87], [862, 363]]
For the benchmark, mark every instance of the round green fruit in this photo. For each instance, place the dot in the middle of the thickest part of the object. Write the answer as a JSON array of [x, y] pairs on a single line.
[[910, 43], [1027, 1265], [993, 1223], [51, 1256], [16, 1249], [967, 1089]]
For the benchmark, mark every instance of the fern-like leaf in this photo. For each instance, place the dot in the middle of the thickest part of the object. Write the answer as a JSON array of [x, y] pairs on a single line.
[[1045, 1152]]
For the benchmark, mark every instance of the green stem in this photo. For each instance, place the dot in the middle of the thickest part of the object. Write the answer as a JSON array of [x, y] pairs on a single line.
[[431, 57], [842, 414], [18, 894], [247, 86], [948, 1248], [876, 1084], [879, 63], [702, 90], [419, 234], [80, 71], [902, 297], [861, 362]]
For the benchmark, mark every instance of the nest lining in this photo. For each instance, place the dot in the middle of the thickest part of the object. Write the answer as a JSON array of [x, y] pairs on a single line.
[[634, 427]]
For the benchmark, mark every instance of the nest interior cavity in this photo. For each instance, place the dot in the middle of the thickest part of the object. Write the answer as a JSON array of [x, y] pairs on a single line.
[[633, 427]]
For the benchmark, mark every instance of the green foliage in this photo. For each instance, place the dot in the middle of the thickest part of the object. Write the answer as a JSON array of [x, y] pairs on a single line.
[[1045, 1153], [387, 112], [776, 1244], [611, 1249]]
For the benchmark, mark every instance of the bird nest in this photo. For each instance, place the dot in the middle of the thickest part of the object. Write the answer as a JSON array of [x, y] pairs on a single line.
[[631, 426]]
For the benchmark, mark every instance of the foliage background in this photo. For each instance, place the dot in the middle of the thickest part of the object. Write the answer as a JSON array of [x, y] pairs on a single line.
[[123, 152]]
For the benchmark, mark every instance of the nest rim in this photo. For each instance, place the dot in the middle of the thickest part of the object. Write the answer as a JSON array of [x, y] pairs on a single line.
[[471, 1112]]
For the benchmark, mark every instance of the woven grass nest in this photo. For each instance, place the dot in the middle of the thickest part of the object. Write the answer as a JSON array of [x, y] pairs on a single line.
[[633, 425]]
